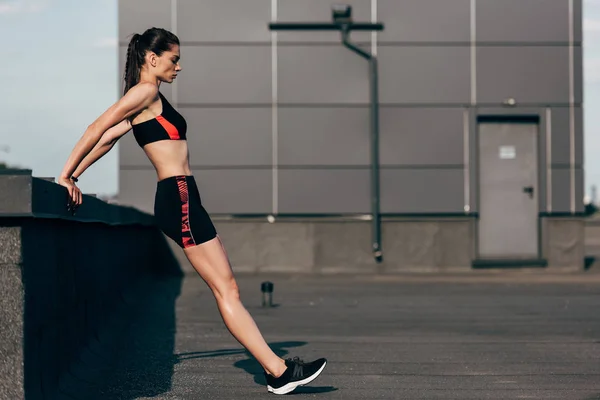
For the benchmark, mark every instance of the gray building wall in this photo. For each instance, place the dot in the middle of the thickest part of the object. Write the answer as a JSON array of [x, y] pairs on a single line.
[[279, 122]]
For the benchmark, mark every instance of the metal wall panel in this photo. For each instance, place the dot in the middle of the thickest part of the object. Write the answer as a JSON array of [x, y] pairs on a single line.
[[578, 83], [216, 137], [221, 190], [421, 136], [321, 127], [224, 21], [413, 74], [131, 154], [323, 136], [135, 16], [561, 143], [315, 191], [137, 188], [579, 189], [422, 190], [561, 190], [229, 136], [446, 20], [522, 21], [319, 11], [578, 20], [225, 74], [238, 191], [321, 74], [528, 74]]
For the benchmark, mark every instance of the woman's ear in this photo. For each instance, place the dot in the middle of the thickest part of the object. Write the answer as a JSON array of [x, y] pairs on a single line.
[[152, 59]]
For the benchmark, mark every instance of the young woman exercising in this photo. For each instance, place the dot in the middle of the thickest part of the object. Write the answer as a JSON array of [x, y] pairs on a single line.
[[152, 58]]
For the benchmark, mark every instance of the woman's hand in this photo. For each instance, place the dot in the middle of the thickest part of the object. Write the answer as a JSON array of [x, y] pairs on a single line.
[[74, 198]]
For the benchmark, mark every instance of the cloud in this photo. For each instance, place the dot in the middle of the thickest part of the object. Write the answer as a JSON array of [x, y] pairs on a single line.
[[106, 42], [591, 24], [592, 70], [591, 6], [22, 6]]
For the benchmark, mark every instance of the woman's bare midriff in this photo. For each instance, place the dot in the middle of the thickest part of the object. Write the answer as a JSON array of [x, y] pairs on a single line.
[[169, 158]]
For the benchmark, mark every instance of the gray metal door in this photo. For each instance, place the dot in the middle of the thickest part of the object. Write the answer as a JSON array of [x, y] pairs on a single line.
[[508, 190]]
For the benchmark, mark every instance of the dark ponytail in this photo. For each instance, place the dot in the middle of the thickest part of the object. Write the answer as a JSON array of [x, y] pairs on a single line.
[[157, 40], [133, 64]]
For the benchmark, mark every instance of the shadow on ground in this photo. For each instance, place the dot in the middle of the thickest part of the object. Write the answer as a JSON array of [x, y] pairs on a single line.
[[251, 366], [134, 359], [148, 365], [143, 337]]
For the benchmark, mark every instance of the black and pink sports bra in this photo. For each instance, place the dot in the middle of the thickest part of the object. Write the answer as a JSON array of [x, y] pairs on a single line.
[[169, 125]]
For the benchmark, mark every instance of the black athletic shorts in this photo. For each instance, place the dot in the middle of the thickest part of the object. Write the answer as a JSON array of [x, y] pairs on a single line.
[[179, 213]]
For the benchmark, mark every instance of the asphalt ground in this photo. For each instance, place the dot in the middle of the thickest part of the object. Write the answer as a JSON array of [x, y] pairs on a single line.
[[504, 335]]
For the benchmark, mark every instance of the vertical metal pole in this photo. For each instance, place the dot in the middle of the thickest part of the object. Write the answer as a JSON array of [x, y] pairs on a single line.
[[376, 234], [374, 136], [345, 28]]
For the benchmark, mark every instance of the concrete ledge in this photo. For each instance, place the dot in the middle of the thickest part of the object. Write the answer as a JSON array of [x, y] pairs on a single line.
[[10, 245], [63, 278], [12, 308], [410, 244], [592, 241], [23, 195], [332, 247], [563, 242]]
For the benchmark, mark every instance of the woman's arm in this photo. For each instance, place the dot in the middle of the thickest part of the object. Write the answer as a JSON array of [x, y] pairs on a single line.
[[104, 145], [135, 100]]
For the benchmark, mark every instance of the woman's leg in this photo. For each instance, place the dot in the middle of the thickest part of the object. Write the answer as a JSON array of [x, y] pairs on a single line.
[[210, 260]]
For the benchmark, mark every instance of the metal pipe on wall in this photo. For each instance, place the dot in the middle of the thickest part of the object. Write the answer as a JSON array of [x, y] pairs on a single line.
[[374, 116], [344, 24]]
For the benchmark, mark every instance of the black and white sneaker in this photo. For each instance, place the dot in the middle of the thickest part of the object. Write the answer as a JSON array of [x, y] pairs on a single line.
[[298, 373]]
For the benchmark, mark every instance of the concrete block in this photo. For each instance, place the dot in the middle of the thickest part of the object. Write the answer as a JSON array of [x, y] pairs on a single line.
[[62, 278], [260, 246], [592, 238], [74, 274], [12, 310], [15, 194], [10, 245], [564, 242], [343, 246], [427, 245], [457, 238], [411, 244]]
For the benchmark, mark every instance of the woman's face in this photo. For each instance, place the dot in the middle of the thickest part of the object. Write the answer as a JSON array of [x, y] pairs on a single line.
[[168, 65]]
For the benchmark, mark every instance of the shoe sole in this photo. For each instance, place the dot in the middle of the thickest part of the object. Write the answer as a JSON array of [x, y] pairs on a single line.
[[293, 385]]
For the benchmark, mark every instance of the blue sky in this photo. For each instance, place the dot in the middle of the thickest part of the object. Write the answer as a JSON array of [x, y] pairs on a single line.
[[60, 72]]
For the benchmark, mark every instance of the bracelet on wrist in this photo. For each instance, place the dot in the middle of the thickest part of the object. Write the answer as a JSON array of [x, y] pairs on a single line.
[[74, 179]]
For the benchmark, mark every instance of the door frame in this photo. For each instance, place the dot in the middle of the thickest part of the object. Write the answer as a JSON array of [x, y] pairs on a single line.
[[525, 118]]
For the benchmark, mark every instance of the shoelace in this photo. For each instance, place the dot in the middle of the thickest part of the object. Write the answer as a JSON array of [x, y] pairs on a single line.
[[298, 367]]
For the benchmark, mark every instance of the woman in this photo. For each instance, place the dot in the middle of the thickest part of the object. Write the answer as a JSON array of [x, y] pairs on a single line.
[[153, 58]]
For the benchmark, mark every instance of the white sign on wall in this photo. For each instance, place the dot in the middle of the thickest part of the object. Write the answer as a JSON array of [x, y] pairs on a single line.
[[507, 152]]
